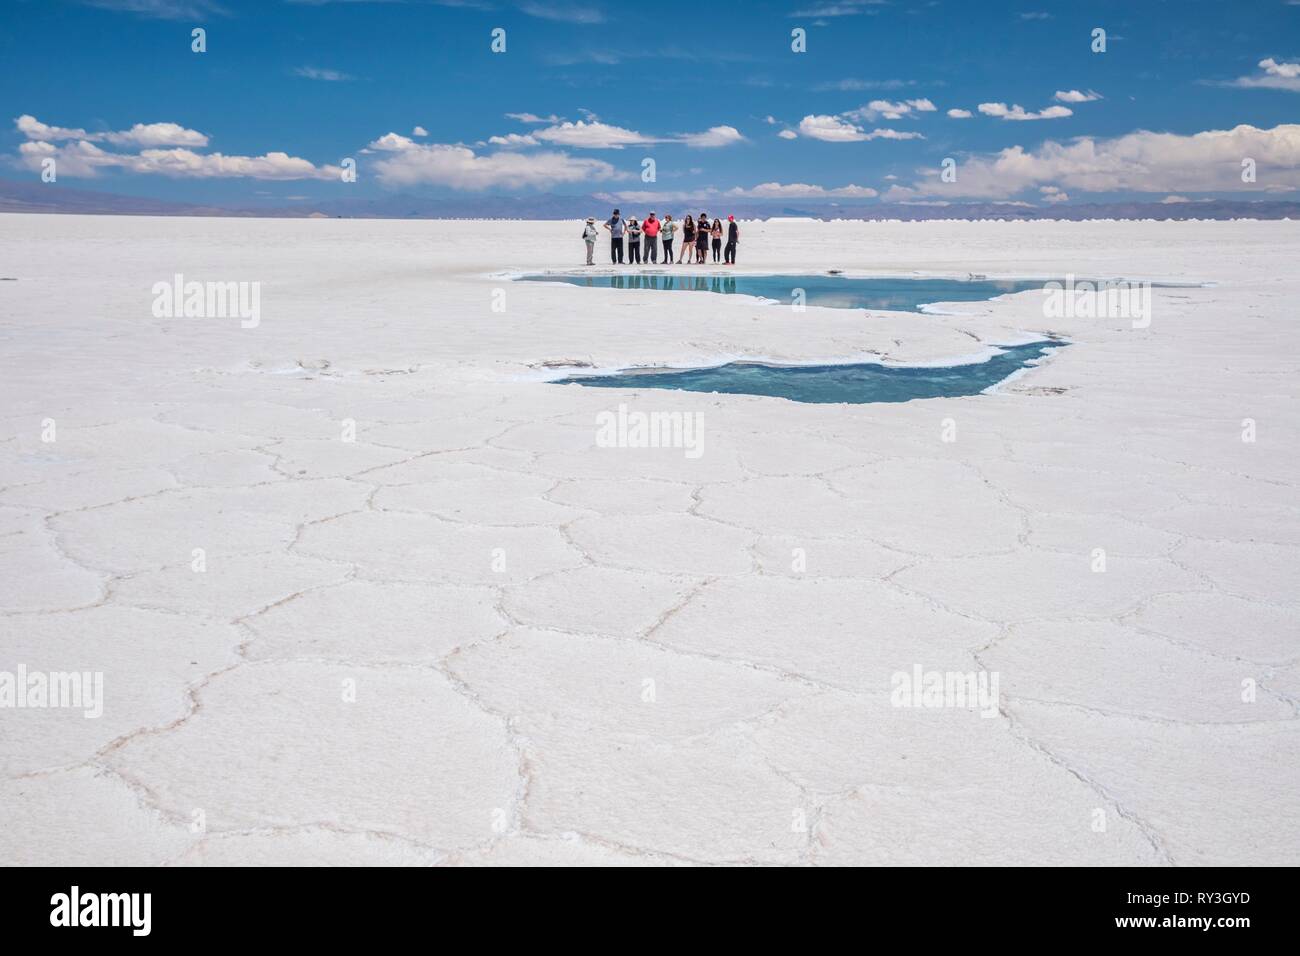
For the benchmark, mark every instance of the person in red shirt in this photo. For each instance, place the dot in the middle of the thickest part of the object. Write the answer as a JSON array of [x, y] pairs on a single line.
[[650, 229]]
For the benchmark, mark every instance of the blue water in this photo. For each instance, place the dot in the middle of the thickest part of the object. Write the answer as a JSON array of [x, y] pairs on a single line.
[[895, 294], [822, 384]]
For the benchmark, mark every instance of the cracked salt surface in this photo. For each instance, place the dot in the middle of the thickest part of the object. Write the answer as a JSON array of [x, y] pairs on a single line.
[[496, 589]]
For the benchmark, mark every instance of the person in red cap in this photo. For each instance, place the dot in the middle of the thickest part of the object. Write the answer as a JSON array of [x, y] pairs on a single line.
[[733, 240]]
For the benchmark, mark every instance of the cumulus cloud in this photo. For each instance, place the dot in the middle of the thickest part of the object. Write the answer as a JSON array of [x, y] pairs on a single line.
[[1076, 96], [788, 134], [156, 134], [164, 149], [419, 131], [1140, 162], [407, 163], [593, 134], [392, 142], [834, 129], [878, 109], [1018, 112], [960, 114], [712, 138], [85, 159], [1273, 75], [513, 140], [141, 134], [33, 128]]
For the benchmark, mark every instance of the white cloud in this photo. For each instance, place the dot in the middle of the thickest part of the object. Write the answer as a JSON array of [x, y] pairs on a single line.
[[33, 128], [392, 142], [81, 157], [1054, 194], [156, 134], [533, 118], [141, 134], [833, 129], [1017, 112], [513, 139], [712, 138], [1077, 96], [1171, 200], [1141, 162], [85, 159], [803, 191], [315, 73], [877, 109], [892, 134], [593, 135], [830, 129], [419, 131], [788, 134], [461, 168], [1275, 76], [960, 114]]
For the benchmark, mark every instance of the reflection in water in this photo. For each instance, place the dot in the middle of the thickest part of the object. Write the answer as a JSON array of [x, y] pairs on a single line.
[[854, 384], [837, 292]]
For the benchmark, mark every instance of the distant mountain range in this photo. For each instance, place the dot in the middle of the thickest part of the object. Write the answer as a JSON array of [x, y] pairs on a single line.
[[37, 197]]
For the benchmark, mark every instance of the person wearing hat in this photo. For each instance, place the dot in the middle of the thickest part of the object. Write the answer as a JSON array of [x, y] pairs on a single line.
[[733, 240], [615, 225], [633, 241], [589, 235], [650, 229]]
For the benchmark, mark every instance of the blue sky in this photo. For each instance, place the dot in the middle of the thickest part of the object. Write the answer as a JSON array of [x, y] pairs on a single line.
[[712, 93]]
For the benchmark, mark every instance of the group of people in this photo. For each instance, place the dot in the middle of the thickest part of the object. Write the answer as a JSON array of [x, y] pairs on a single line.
[[643, 239]]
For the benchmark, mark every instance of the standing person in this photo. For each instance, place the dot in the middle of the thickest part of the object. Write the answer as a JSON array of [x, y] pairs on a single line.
[[668, 231], [615, 225], [589, 235], [715, 235], [702, 238], [688, 238], [633, 242], [733, 240], [650, 229]]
